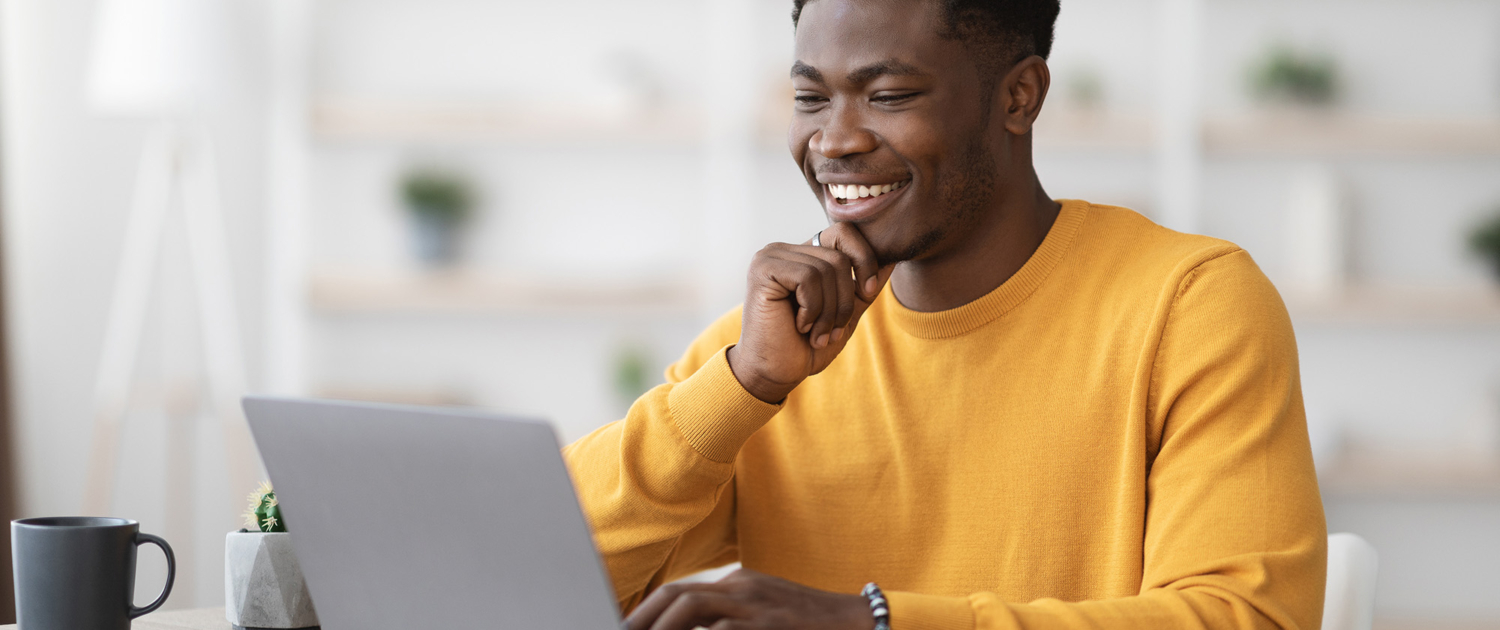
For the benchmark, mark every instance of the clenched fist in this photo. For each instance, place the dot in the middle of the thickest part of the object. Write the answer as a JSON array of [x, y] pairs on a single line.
[[801, 305]]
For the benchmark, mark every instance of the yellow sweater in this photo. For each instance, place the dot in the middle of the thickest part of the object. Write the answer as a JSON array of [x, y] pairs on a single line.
[[1112, 438]]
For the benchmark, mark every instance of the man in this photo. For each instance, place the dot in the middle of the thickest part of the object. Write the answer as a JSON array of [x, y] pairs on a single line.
[[1057, 414]]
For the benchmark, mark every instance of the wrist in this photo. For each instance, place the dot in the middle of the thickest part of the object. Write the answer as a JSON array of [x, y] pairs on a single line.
[[764, 389], [856, 613], [880, 609]]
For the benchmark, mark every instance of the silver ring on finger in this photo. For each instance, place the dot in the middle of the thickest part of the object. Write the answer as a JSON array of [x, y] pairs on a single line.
[[816, 237]]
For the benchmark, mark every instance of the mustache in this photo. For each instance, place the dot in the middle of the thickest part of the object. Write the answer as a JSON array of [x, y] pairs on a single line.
[[853, 166]]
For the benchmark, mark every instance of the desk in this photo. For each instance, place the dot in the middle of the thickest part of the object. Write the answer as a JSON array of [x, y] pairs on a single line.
[[190, 619]]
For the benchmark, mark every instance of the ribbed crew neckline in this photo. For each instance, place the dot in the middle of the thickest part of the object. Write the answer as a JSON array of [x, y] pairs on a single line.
[[1010, 294]]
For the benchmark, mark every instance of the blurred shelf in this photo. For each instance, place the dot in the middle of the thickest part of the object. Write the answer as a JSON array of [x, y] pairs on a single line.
[[1395, 305], [472, 293], [403, 395], [1316, 134], [1073, 131], [1279, 134], [1385, 474], [1408, 623], [493, 123], [1289, 133]]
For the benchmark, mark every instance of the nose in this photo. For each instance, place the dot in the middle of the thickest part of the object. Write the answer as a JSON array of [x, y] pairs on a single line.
[[843, 135]]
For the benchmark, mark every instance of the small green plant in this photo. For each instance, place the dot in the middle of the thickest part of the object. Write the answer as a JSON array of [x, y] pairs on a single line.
[[264, 512], [437, 195], [1485, 241], [1290, 75], [632, 372], [1086, 88]]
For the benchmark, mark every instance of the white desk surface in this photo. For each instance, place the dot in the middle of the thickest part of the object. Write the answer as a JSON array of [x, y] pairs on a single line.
[[189, 619]]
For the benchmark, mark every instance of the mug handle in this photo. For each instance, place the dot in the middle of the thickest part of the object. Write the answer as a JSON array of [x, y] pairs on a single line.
[[141, 539]]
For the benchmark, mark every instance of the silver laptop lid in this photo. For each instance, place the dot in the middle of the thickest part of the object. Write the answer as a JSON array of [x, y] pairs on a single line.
[[406, 517]]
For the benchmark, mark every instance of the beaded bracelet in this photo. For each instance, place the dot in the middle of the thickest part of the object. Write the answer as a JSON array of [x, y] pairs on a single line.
[[878, 607]]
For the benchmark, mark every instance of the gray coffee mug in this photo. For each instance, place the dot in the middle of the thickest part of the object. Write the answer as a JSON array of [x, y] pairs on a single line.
[[78, 572]]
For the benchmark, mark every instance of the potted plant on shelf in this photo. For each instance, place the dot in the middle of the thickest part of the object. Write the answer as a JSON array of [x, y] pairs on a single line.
[[1485, 241], [263, 585], [439, 204], [1288, 76]]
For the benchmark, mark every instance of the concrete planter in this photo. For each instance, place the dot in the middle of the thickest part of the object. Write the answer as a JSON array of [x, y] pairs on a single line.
[[263, 586]]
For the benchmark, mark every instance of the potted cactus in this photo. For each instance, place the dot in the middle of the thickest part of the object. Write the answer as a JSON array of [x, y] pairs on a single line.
[[263, 585]]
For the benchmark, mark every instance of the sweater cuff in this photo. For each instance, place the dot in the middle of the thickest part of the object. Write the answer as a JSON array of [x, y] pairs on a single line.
[[911, 611], [714, 412]]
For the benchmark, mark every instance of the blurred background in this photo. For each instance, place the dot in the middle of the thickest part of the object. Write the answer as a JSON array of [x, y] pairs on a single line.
[[534, 206]]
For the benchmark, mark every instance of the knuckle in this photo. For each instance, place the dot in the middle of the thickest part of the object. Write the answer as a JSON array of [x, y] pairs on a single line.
[[811, 278]]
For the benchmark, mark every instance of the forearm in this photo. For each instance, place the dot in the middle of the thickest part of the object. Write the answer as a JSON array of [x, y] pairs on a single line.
[[651, 483], [1216, 603]]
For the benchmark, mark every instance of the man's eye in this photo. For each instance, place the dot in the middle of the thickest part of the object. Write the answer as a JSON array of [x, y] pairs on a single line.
[[893, 98], [809, 99]]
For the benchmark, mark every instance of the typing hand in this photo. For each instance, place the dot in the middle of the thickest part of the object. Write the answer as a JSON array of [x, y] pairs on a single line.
[[801, 306], [746, 600]]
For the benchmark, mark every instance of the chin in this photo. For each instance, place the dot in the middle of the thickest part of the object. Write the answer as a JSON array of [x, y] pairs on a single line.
[[904, 246]]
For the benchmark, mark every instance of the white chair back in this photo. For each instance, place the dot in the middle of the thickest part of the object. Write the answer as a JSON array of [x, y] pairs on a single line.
[[1349, 601]]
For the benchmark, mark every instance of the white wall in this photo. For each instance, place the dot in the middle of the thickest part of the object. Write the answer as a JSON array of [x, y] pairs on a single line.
[[68, 181], [626, 211]]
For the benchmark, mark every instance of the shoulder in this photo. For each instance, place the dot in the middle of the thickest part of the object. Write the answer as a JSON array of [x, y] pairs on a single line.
[[722, 332], [1136, 241], [1185, 275], [1229, 293], [1125, 248]]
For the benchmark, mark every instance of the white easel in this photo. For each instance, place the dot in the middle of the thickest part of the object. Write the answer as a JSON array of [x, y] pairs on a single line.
[[176, 164]]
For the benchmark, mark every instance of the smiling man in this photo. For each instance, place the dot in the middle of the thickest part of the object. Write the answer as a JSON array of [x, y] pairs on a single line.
[[995, 409]]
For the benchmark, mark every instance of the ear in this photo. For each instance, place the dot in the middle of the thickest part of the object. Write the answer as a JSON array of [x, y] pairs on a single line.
[[1022, 91]]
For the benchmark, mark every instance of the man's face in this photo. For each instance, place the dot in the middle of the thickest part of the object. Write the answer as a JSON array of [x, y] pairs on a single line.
[[884, 102]]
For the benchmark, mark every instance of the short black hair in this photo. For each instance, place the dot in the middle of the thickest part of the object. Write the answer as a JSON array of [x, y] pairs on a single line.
[[998, 33]]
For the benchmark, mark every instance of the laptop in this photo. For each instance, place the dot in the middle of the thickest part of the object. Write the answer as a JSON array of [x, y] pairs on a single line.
[[410, 517]]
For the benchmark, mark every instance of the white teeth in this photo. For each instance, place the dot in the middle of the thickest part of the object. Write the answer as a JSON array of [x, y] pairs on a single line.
[[854, 191]]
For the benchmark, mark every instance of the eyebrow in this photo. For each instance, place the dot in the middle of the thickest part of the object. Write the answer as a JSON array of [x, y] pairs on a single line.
[[800, 69], [889, 67]]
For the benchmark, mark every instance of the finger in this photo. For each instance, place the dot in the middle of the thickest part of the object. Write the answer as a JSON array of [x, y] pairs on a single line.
[[804, 282], [848, 240], [699, 608], [843, 279], [657, 602], [822, 330], [882, 277], [833, 282]]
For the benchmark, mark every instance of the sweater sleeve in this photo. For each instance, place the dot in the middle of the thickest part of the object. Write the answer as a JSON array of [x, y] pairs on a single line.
[[1235, 536], [656, 486]]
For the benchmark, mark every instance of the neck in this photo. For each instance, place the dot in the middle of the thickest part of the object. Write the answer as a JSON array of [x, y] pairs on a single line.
[[983, 255]]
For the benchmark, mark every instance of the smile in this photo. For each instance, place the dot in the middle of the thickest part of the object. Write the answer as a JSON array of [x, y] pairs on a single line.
[[858, 202], [844, 193]]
